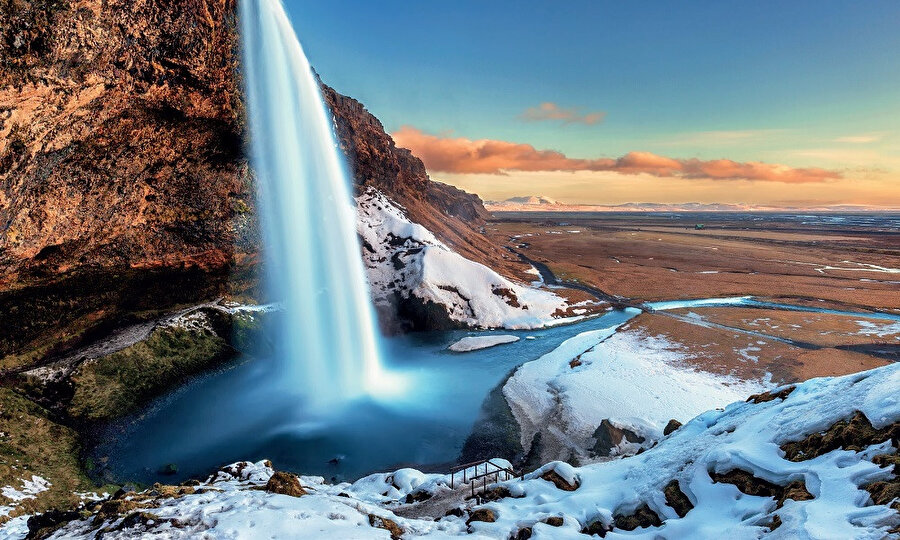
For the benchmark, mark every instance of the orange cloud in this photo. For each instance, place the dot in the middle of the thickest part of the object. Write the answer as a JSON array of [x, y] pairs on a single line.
[[486, 156], [552, 111]]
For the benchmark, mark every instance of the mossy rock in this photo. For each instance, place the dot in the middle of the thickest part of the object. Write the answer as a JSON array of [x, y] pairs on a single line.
[[482, 514], [677, 498], [641, 517], [33, 444], [854, 434], [389, 525], [121, 382]]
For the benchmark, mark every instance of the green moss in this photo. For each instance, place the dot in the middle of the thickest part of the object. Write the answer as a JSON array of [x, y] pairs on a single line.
[[249, 335], [121, 382], [33, 444]]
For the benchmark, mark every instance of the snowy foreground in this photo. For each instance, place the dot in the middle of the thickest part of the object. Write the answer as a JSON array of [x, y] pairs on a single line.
[[405, 259], [724, 474]]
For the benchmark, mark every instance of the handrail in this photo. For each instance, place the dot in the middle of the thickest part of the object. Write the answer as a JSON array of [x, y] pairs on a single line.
[[510, 473], [458, 468]]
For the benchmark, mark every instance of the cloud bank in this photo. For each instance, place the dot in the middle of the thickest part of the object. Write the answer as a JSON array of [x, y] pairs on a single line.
[[485, 156]]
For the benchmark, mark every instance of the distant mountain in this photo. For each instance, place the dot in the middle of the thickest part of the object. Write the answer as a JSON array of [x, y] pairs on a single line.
[[546, 204], [532, 200]]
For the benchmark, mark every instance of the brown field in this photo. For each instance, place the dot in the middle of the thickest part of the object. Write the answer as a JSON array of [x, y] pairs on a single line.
[[746, 356], [819, 329], [651, 257], [648, 257]]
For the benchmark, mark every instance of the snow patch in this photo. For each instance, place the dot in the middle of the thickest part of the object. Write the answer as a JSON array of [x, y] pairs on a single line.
[[474, 343], [868, 328], [29, 489]]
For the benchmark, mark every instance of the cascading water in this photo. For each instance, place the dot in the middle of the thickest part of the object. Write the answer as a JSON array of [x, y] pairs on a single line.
[[328, 339]]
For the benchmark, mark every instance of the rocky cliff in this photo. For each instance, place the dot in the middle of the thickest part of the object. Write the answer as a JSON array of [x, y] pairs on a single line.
[[124, 188]]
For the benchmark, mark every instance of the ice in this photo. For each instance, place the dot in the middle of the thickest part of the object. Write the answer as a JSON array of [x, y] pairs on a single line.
[[678, 304], [474, 343]]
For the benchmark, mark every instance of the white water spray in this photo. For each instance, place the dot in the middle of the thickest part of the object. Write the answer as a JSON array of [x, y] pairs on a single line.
[[328, 337]]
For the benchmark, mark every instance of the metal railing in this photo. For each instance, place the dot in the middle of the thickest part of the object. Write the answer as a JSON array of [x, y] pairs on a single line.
[[472, 479]]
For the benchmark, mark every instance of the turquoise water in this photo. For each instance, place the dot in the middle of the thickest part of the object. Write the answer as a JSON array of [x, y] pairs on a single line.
[[235, 413]]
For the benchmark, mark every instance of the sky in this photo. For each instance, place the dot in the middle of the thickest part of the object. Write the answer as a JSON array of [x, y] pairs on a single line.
[[594, 102]]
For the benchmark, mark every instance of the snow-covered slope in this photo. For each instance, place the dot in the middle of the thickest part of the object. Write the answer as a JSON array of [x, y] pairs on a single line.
[[754, 468], [633, 381], [407, 264], [746, 436]]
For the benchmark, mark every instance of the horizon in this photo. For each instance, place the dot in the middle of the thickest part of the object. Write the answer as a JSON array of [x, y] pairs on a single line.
[[645, 206], [599, 103]]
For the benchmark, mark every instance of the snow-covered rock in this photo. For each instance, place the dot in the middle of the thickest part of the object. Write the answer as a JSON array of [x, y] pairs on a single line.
[[475, 343], [745, 436], [633, 381], [406, 262], [29, 488]]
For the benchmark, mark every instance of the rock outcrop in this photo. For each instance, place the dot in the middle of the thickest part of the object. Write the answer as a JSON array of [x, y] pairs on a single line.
[[124, 187], [123, 183]]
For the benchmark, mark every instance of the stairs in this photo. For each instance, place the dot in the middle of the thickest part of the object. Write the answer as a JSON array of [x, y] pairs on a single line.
[[484, 470]]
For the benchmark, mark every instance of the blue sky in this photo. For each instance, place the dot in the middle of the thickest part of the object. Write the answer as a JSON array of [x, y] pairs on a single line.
[[801, 83]]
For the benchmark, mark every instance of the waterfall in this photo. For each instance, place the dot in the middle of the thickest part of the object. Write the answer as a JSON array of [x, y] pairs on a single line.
[[327, 337]]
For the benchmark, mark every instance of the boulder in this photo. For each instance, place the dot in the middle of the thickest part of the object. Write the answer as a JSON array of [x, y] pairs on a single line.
[[482, 514], [285, 484], [671, 427]]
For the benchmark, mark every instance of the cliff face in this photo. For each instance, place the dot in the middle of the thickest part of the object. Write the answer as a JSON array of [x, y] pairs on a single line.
[[120, 162], [124, 187], [452, 214]]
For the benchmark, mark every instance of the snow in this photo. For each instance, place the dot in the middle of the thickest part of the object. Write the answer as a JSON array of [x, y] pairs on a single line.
[[29, 489], [634, 380], [745, 436], [14, 529], [474, 343], [231, 504], [868, 328], [406, 259], [392, 487]]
